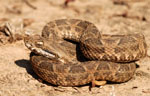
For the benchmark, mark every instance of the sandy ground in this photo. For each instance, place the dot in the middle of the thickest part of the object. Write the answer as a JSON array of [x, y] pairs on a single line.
[[110, 16]]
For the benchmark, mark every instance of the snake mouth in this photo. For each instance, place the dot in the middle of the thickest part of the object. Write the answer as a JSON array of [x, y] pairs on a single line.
[[42, 52], [45, 53]]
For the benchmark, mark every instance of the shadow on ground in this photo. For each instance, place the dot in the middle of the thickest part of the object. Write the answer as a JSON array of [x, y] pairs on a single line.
[[26, 64]]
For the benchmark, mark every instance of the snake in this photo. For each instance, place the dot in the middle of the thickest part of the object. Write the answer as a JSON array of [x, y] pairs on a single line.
[[73, 52]]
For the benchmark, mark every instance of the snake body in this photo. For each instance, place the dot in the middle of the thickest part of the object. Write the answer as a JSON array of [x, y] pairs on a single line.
[[110, 57]]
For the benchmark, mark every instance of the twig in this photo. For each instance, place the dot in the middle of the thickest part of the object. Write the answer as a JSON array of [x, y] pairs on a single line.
[[67, 1], [125, 15], [10, 31], [30, 5]]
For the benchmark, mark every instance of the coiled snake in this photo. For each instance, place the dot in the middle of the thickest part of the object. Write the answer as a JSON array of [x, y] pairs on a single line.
[[107, 57]]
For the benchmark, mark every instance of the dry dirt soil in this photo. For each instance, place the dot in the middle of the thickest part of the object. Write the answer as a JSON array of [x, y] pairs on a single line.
[[110, 16]]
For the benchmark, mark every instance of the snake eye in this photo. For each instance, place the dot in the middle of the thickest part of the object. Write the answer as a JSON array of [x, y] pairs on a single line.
[[39, 44]]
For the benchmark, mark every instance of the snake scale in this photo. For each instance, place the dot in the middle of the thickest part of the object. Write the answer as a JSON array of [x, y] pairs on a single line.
[[56, 58]]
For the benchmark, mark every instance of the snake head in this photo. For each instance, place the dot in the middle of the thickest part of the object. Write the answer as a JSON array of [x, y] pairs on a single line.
[[37, 45]]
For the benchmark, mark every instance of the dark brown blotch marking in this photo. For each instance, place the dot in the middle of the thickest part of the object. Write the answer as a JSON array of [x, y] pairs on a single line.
[[74, 21], [61, 68], [53, 76], [83, 24], [106, 74], [103, 66], [126, 39], [61, 22], [119, 50], [70, 78], [98, 42], [34, 59], [96, 74], [38, 72], [77, 29], [45, 31], [87, 41], [135, 47], [112, 65], [48, 32], [77, 69], [90, 65], [145, 45], [101, 50], [60, 28], [51, 25], [93, 30], [116, 36], [68, 28], [46, 65], [68, 45], [92, 41], [99, 75], [84, 76], [118, 75], [124, 68], [109, 41]]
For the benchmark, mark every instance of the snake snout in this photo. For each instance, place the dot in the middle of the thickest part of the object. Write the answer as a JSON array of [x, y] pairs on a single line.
[[29, 46]]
